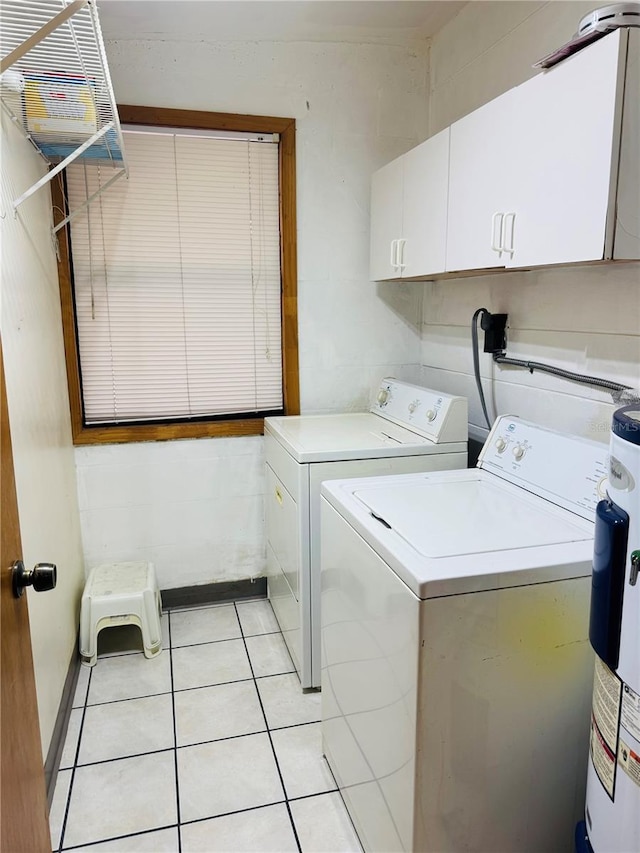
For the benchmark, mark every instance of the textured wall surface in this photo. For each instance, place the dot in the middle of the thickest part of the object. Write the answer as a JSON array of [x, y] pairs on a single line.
[[39, 418], [585, 319], [357, 106]]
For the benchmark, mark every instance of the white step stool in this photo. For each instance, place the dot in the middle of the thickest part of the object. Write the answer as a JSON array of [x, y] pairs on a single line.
[[120, 594]]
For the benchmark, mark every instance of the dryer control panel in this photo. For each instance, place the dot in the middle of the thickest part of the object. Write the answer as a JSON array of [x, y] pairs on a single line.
[[432, 414], [567, 470]]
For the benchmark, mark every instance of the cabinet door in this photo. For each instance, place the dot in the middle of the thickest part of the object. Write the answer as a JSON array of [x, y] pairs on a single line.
[[485, 167], [386, 219], [569, 158], [424, 206]]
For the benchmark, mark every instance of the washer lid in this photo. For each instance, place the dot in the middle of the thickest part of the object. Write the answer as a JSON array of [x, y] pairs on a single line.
[[363, 435], [475, 516], [453, 532]]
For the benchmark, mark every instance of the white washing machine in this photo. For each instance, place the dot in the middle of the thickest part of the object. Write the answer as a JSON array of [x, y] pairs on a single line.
[[457, 670], [408, 429]]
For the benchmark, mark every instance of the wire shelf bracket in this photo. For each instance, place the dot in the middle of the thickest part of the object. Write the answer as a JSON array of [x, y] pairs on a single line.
[[56, 87]]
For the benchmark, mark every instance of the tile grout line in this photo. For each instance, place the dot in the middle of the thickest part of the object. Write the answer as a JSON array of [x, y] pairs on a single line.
[[335, 790], [344, 805], [85, 706], [175, 739], [129, 652], [124, 757], [273, 749], [121, 837], [195, 743], [63, 828], [180, 690], [222, 640], [234, 812], [251, 808]]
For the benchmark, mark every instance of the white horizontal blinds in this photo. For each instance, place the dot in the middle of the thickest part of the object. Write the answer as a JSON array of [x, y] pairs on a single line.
[[177, 279], [127, 275], [229, 235]]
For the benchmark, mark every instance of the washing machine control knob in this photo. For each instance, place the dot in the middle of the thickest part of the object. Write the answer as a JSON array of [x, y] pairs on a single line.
[[383, 396], [500, 445], [518, 451], [431, 414]]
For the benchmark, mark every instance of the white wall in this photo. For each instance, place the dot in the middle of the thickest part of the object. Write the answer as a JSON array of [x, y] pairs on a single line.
[[357, 106], [489, 47], [39, 418], [194, 507], [584, 319]]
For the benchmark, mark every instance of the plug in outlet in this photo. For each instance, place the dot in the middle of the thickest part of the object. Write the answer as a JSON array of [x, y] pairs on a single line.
[[495, 332]]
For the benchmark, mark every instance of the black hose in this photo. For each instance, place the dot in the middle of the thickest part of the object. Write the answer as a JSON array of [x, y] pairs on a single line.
[[476, 361], [617, 389]]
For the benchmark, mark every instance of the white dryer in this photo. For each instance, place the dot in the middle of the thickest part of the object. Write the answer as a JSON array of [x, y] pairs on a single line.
[[408, 429], [456, 663]]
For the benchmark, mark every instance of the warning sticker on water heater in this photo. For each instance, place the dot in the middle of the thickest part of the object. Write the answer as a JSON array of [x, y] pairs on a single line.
[[629, 761], [604, 760], [607, 688], [630, 712], [605, 723]]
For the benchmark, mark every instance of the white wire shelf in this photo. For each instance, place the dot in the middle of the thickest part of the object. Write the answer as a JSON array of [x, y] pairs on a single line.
[[56, 87]]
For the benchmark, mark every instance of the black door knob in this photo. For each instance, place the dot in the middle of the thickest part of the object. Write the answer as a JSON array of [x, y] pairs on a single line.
[[41, 577]]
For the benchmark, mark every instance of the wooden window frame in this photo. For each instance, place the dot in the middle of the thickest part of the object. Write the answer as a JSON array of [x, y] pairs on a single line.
[[190, 119]]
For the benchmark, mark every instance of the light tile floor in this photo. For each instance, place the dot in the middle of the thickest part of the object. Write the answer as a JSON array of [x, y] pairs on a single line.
[[211, 746]]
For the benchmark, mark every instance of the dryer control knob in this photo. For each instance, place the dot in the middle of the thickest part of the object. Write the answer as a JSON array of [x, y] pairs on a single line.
[[383, 396], [431, 414], [518, 451], [500, 445]]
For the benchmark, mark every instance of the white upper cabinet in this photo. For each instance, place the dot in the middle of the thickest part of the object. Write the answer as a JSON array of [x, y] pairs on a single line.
[[386, 220], [547, 173], [534, 172], [567, 182], [409, 212], [424, 207], [486, 160]]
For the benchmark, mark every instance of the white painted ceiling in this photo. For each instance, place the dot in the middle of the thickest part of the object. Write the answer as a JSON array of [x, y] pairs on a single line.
[[386, 21]]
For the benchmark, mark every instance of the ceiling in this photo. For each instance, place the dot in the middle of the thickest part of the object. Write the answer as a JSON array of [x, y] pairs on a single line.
[[384, 21]]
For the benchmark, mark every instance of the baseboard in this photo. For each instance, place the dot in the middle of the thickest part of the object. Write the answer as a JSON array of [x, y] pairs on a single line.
[[59, 735], [213, 593]]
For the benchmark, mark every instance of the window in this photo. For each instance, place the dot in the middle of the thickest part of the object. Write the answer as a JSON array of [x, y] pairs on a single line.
[[178, 286]]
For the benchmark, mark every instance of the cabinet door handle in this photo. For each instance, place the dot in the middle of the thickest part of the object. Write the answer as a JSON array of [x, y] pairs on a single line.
[[401, 263], [496, 232], [509, 222], [394, 253]]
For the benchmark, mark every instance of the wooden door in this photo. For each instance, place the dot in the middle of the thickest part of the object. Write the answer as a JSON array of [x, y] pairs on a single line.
[[24, 813], [386, 219], [424, 206]]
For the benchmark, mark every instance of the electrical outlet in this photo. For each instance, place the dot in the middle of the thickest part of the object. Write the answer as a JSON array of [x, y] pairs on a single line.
[[495, 332]]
